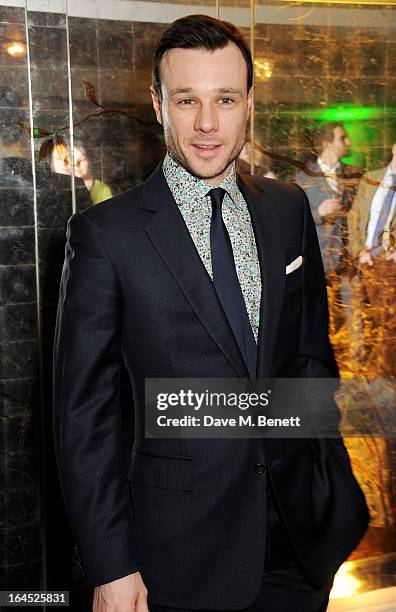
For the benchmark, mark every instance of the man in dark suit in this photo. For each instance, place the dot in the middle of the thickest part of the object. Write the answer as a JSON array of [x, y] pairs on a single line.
[[197, 273]]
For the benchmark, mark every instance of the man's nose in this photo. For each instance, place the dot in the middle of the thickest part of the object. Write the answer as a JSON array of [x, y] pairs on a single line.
[[206, 119]]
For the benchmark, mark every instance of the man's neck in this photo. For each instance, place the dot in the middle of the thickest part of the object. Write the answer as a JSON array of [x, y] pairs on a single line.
[[186, 187], [329, 159], [214, 182]]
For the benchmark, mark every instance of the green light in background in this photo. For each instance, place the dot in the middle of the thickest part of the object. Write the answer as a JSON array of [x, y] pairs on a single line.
[[347, 113], [340, 113]]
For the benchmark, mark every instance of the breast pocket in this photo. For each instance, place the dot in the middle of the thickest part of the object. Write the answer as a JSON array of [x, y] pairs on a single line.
[[293, 281], [162, 471]]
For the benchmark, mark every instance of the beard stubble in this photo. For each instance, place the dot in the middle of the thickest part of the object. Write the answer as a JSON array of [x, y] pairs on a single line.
[[179, 157]]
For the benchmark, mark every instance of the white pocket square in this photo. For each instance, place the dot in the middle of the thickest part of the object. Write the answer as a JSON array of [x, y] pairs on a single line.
[[294, 265]]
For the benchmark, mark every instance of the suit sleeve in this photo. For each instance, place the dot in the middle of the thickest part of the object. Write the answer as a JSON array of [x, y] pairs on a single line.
[[316, 355], [86, 404], [315, 197]]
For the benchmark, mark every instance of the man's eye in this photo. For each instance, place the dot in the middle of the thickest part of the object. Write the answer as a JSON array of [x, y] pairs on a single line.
[[186, 101], [226, 100]]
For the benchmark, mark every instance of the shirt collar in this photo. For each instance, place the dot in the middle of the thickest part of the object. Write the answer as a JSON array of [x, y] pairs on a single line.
[[387, 178], [186, 188], [328, 169]]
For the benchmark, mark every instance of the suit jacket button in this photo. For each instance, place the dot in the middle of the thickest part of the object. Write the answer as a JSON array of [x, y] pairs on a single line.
[[259, 468]]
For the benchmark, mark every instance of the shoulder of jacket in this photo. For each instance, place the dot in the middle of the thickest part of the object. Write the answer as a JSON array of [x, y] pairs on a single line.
[[125, 203], [376, 174], [262, 184], [370, 181], [310, 175]]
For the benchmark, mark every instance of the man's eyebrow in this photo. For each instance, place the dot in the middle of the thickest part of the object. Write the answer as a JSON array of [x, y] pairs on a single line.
[[229, 90], [219, 90], [180, 90]]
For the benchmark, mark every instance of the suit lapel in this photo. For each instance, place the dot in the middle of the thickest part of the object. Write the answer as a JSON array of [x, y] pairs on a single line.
[[320, 182], [365, 212], [272, 265], [170, 237], [365, 197]]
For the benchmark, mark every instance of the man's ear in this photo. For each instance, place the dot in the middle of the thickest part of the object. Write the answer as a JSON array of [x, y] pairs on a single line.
[[324, 144], [249, 101], [156, 105]]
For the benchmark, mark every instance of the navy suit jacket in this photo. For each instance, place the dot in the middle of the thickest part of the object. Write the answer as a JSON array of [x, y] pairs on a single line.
[[190, 514]]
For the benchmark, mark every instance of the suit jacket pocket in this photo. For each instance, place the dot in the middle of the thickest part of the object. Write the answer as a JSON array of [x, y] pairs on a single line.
[[162, 471], [339, 458], [293, 281]]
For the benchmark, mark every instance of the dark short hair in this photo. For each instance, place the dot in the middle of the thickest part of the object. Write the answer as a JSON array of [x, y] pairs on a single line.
[[326, 133], [199, 32]]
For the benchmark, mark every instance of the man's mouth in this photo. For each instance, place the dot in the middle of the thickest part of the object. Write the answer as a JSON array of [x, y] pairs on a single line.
[[206, 146], [206, 151]]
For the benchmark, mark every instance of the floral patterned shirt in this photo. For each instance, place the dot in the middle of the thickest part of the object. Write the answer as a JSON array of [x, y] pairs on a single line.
[[191, 196]]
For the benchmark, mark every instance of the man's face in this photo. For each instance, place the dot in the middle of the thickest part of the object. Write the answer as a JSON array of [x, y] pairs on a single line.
[[341, 143], [204, 108]]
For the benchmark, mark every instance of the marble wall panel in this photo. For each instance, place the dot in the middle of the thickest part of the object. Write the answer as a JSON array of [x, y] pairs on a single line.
[[12, 14], [51, 111], [9, 33], [19, 360], [46, 18], [47, 45], [11, 75], [370, 91], [115, 44], [310, 57], [19, 321], [281, 53], [18, 297], [390, 59], [50, 87], [18, 284], [116, 87], [21, 558], [22, 500], [21, 419], [16, 207], [83, 42], [145, 36], [20, 473], [310, 92], [17, 246], [53, 207]]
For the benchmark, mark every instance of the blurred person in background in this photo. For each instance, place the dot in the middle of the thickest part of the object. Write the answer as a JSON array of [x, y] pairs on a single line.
[[372, 242], [331, 186], [62, 162]]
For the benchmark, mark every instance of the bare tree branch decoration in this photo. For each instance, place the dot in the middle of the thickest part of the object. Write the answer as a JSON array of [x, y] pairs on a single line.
[[54, 140]]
